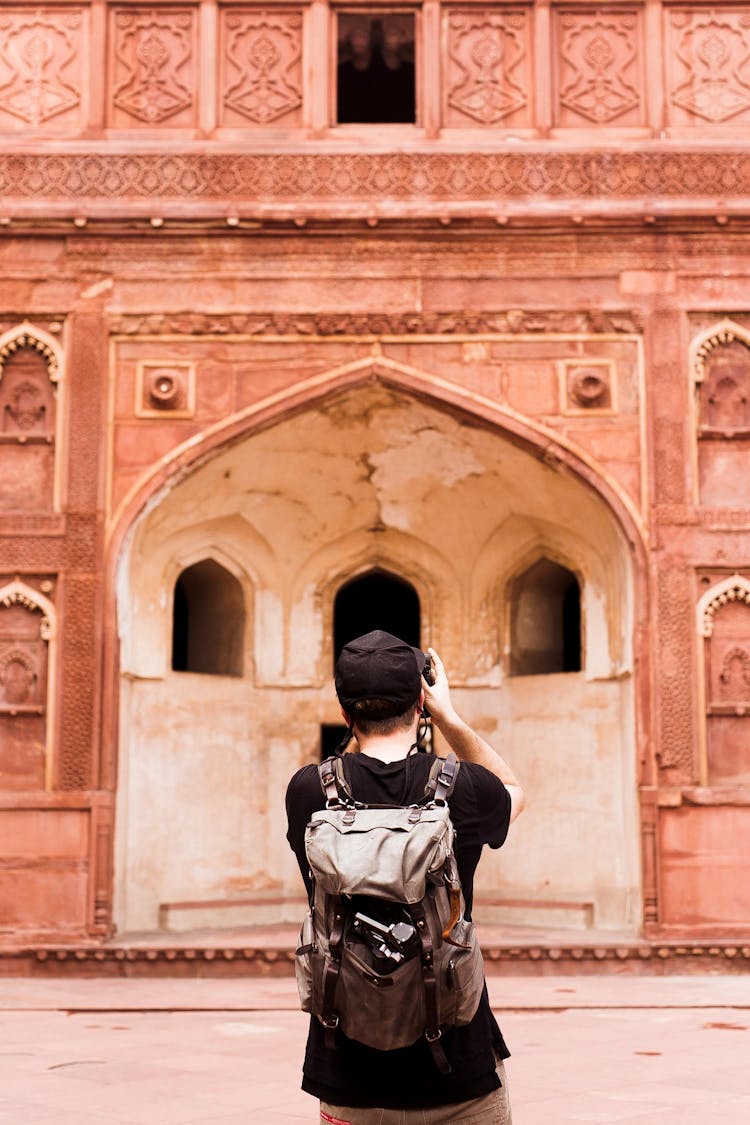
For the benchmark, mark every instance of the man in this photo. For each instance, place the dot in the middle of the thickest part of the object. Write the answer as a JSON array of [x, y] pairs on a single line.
[[382, 694]]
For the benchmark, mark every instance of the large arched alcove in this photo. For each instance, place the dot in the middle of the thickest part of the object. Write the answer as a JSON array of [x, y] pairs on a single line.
[[371, 481]]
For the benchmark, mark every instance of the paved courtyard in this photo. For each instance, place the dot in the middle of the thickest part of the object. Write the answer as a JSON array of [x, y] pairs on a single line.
[[661, 1050]]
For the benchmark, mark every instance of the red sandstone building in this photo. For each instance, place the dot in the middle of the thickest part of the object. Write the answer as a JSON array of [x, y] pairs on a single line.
[[310, 311]]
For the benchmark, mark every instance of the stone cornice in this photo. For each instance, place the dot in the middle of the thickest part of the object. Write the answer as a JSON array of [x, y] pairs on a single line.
[[393, 184]]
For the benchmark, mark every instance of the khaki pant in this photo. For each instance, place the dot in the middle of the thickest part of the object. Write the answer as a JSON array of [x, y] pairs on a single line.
[[492, 1109]]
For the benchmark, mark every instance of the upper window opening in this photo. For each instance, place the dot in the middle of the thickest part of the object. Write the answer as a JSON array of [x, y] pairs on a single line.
[[375, 72], [377, 600], [545, 621], [209, 621]]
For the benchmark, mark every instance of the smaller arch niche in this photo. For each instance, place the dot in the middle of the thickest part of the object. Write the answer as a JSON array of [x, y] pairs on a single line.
[[208, 621], [376, 600], [545, 621]]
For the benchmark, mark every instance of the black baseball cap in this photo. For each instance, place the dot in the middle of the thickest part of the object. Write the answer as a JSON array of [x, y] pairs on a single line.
[[379, 666]]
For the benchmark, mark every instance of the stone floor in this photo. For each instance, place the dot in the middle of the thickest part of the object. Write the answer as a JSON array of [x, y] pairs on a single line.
[[650, 1050]]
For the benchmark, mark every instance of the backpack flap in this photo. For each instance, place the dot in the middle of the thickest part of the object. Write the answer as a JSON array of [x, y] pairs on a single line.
[[386, 853]]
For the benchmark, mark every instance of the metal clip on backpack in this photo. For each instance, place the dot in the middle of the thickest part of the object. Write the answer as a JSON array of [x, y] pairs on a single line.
[[385, 952]]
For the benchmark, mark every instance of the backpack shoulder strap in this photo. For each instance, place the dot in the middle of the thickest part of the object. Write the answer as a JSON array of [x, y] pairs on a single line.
[[333, 782], [442, 779]]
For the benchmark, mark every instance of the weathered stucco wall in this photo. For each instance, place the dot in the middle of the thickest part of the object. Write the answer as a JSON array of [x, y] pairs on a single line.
[[370, 477]]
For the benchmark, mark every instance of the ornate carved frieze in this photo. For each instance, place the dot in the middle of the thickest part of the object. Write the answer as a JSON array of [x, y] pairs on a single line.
[[377, 324], [488, 69], [261, 82], [40, 66], [708, 63], [153, 67], [599, 68], [318, 181]]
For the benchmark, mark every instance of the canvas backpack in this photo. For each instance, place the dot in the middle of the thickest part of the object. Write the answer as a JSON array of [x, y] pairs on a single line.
[[385, 952]]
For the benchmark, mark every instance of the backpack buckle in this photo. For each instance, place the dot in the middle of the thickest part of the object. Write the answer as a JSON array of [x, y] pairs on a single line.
[[331, 1024], [415, 814], [349, 816]]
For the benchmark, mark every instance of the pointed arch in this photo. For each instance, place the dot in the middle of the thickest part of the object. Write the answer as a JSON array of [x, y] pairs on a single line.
[[27, 335], [733, 589], [701, 346]]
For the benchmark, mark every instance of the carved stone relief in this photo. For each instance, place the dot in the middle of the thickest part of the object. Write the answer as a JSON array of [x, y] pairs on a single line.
[[708, 60], [721, 369], [261, 79], [153, 67], [40, 67], [488, 68], [599, 68], [724, 620], [28, 371], [25, 631]]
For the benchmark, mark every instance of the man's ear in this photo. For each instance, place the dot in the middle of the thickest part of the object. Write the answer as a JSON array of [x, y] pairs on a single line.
[[421, 702], [347, 718]]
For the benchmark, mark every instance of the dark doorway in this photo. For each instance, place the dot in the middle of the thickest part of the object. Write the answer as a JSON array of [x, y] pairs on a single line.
[[208, 621], [376, 600]]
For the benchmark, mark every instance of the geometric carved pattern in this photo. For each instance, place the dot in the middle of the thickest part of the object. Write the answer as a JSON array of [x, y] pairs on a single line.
[[40, 64], [263, 59], [152, 77], [487, 65], [599, 76], [710, 49]]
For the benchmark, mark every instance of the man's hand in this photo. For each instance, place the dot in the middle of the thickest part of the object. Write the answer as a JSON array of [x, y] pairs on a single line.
[[438, 695]]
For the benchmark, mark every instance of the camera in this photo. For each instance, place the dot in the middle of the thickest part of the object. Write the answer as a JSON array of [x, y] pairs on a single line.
[[428, 672]]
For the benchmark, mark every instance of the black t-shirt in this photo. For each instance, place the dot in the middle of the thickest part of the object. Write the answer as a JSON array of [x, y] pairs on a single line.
[[350, 1073]]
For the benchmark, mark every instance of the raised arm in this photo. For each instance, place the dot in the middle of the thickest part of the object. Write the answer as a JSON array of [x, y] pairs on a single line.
[[465, 742]]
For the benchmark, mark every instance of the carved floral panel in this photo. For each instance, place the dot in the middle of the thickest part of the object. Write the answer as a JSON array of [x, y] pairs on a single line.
[[40, 67], [708, 66], [27, 432], [728, 691], [261, 67], [488, 68], [599, 77], [153, 67]]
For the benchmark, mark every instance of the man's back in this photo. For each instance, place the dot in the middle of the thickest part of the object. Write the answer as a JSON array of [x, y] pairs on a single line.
[[348, 1071]]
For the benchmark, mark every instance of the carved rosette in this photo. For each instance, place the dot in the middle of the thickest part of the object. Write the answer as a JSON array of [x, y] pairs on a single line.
[[488, 67], [261, 67], [599, 73], [709, 65], [153, 67], [40, 67], [165, 389], [588, 387]]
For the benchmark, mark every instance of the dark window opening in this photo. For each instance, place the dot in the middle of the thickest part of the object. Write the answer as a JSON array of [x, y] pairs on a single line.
[[375, 71], [208, 621], [545, 621], [377, 600]]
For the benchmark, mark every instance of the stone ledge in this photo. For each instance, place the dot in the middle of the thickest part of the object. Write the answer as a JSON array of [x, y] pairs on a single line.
[[217, 960]]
